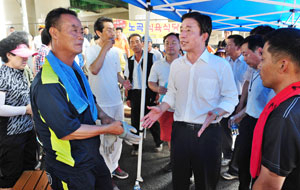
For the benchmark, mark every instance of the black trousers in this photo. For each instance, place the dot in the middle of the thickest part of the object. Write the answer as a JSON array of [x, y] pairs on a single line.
[[227, 147], [202, 156], [17, 154], [96, 178], [233, 166], [243, 151], [135, 115], [227, 139]]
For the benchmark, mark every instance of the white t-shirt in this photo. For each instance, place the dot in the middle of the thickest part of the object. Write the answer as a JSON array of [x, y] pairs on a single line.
[[85, 45], [157, 55], [160, 73], [105, 84], [37, 41]]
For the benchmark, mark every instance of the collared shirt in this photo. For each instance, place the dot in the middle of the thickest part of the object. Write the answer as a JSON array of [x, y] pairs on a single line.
[[157, 55], [248, 74], [258, 95], [160, 73], [239, 68], [40, 57], [281, 142], [195, 89], [135, 79], [55, 117]]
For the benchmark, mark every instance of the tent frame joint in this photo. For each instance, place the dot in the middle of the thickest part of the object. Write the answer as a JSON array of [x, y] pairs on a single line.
[[149, 8]]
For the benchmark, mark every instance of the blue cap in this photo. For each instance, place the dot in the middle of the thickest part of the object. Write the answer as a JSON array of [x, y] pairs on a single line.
[[149, 39]]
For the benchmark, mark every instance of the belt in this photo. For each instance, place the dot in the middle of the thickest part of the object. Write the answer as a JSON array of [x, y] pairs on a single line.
[[193, 125]]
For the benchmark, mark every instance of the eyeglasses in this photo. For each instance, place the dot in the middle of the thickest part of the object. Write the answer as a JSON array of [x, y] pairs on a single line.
[[109, 30], [171, 43]]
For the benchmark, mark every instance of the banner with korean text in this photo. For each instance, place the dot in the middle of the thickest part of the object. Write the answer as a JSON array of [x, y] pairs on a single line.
[[156, 29]]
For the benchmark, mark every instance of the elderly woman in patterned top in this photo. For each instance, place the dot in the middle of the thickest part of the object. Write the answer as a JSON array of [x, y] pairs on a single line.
[[17, 138]]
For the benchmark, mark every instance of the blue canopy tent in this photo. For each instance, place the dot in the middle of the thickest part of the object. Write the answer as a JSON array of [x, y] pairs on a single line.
[[238, 15]]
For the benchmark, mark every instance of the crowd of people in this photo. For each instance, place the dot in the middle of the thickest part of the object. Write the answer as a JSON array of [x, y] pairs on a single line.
[[69, 98]]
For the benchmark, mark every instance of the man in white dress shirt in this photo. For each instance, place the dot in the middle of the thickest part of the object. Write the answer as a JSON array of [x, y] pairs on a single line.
[[202, 89], [239, 68], [236, 59]]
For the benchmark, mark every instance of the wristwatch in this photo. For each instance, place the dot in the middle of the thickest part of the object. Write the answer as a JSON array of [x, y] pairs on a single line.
[[217, 114]]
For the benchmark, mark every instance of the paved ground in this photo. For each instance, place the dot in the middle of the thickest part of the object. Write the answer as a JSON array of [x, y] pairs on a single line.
[[153, 175]]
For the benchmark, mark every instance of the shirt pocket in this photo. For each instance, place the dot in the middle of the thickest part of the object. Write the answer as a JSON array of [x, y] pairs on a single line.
[[207, 89]]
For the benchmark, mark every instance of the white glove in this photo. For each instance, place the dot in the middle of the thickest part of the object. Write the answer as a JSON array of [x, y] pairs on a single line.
[[128, 134], [108, 143]]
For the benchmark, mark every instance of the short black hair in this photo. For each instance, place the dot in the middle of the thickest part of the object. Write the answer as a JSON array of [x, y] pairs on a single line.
[[254, 42], [99, 24], [12, 27], [11, 42], [45, 37], [135, 34], [237, 39], [222, 44], [54, 15], [285, 42], [86, 27], [204, 22], [171, 34], [96, 37], [119, 28], [261, 30]]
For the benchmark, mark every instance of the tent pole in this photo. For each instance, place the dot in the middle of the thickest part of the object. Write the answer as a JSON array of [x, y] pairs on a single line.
[[2, 20], [276, 3], [24, 16], [144, 86], [178, 3]]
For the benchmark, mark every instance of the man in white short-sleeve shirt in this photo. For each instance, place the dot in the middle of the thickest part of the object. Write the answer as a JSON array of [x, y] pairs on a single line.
[[239, 68], [236, 60], [158, 82], [159, 75], [103, 63]]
